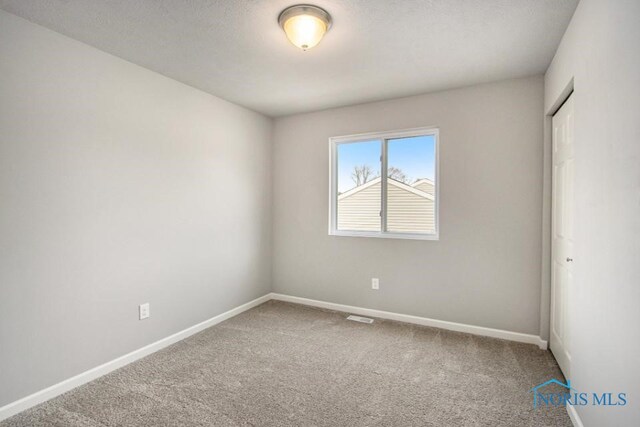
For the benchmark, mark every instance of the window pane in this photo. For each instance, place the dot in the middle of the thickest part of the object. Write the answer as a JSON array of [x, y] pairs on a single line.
[[411, 184], [359, 189]]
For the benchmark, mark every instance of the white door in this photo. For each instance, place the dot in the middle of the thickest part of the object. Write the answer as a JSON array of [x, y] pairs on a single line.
[[562, 234]]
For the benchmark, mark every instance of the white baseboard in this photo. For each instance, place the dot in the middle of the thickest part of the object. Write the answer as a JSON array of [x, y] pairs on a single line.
[[573, 415], [425, 321], [90, 375]]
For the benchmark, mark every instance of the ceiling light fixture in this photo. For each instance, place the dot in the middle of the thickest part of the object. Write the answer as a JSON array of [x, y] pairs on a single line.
[[304, 24]]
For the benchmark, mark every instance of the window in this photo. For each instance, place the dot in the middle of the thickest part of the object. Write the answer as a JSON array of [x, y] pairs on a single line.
[[405, 204]]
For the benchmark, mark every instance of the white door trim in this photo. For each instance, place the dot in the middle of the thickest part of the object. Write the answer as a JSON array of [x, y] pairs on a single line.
[[573, 416]]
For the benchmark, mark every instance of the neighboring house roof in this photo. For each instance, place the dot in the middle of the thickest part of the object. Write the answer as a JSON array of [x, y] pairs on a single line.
[[424, 184], [391, 181], [421, 181], [409, 210]]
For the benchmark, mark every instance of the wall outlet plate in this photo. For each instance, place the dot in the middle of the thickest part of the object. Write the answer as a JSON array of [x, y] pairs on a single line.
[[144, 311], [375, 283]]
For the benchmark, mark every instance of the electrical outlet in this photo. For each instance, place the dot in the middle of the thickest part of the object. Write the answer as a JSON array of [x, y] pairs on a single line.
[[375, 283], [144, 310]]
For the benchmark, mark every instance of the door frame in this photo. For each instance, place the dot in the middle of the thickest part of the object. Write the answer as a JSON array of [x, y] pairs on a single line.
[[545, 285]]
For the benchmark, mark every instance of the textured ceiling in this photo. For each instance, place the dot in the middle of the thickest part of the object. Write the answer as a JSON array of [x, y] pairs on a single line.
[[376, 49]]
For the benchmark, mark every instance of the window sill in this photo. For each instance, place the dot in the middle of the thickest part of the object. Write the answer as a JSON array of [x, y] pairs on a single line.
[[388, 235]]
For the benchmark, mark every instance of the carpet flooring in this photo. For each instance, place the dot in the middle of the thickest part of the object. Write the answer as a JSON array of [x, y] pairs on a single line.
[[283, 364]]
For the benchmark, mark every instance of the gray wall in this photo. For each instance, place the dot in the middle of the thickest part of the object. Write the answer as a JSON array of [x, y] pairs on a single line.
[[600, 52], [117, 186], [484, 270]]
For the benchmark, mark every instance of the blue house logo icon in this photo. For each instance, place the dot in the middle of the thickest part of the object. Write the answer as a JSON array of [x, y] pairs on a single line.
[[553, 398]]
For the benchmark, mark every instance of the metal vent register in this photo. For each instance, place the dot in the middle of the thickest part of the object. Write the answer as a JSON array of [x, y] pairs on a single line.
[[360, 319]]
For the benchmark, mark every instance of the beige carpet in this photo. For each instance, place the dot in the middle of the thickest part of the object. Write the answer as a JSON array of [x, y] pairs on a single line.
[[282, 364]]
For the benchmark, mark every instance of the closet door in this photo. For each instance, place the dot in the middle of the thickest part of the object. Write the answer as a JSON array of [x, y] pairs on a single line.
[[562, 234]]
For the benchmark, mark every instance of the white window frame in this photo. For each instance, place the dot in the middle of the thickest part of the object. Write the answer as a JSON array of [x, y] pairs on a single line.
[[383, 137]]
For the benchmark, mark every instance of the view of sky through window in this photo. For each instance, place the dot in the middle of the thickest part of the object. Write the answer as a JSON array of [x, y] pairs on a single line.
[[404, 203], [411, 159], [414, 157], [357, 155]]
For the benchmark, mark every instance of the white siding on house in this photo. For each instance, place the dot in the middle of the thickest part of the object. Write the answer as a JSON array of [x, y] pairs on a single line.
[[425, 185], [361, 210], [408, 210]]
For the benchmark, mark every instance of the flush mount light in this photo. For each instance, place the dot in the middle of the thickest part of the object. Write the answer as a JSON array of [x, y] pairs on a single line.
[[304, 24]]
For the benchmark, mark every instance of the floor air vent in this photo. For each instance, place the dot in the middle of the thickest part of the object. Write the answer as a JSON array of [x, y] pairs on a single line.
[[360, 319]]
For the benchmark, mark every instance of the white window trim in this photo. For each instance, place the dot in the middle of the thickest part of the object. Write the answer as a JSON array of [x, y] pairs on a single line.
[[383, 137]]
